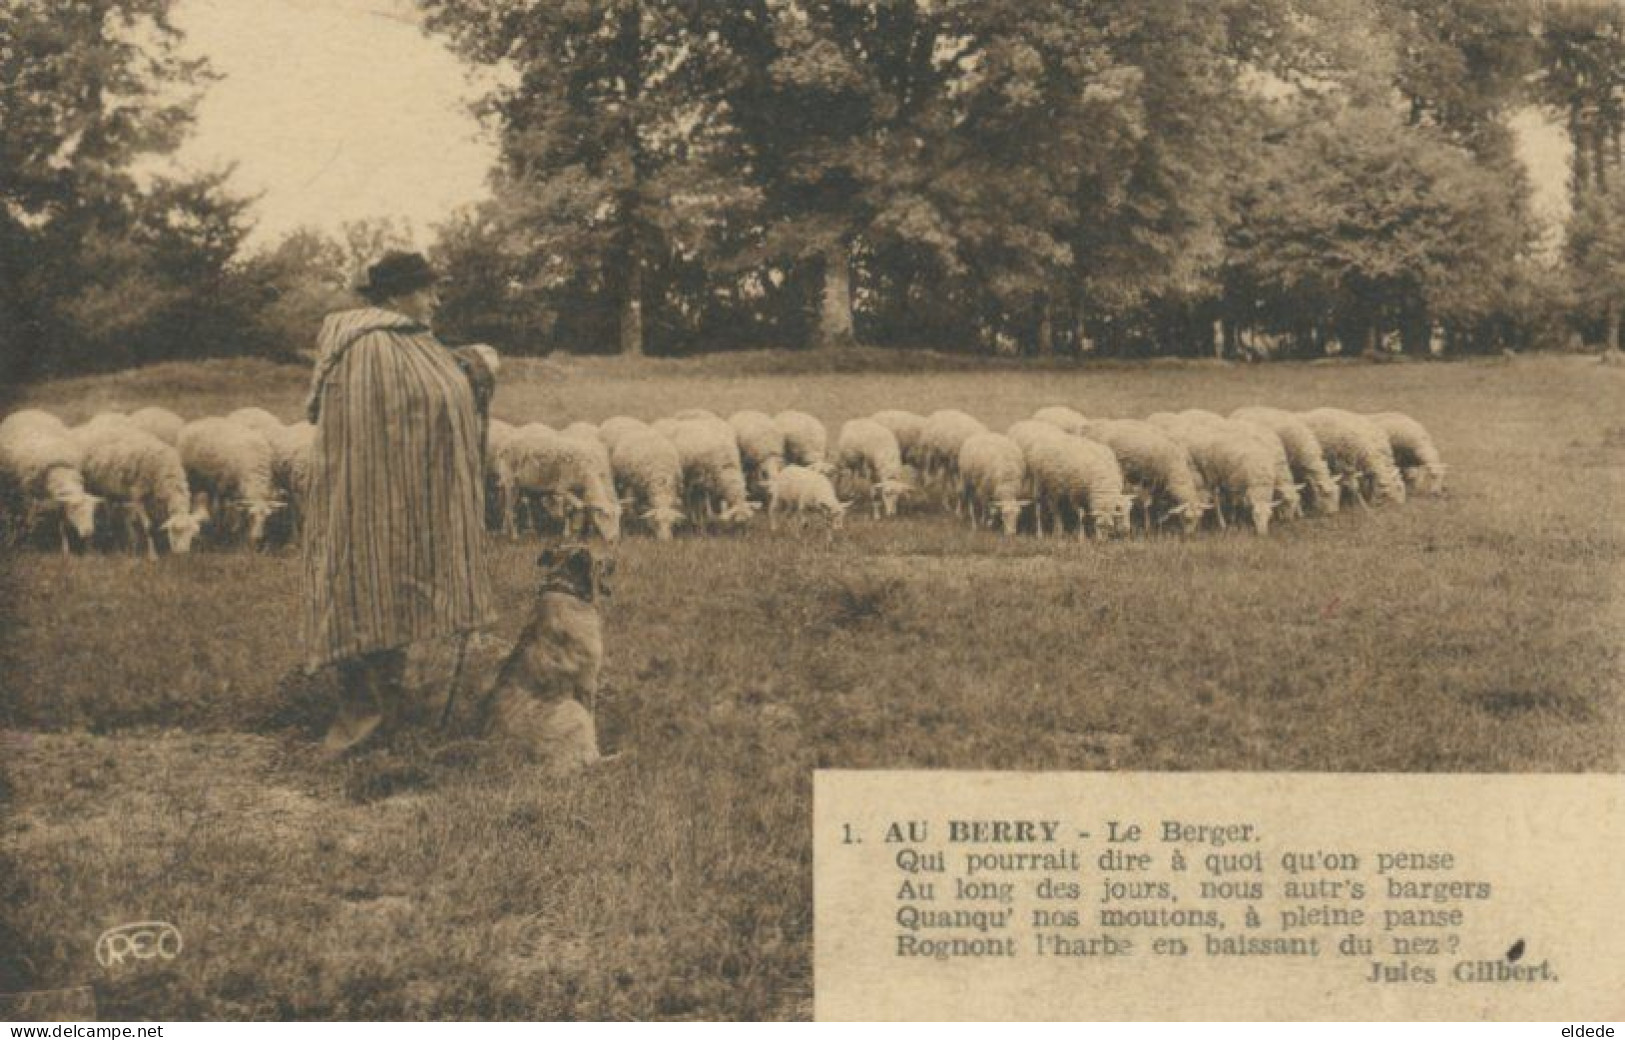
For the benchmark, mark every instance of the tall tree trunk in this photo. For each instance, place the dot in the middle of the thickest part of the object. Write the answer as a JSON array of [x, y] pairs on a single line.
[[835, 316], [1616, 310], [632, 307], [1046, 331]]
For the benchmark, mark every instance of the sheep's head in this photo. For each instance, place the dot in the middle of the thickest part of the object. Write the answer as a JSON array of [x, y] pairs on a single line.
[[663, 519], [1119, 508], [1189, 515], [739, 513], [837, 513], [80, 511], [181, 528], [1008, 510], [606, 520], [1261, 507], [888, 492], [256, 512], [1326, 495]]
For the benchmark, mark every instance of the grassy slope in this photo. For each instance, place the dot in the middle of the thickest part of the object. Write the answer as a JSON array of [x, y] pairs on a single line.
[[160, 772]]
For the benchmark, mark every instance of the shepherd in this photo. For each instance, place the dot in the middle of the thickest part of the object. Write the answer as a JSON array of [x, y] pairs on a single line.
[[394, 535]]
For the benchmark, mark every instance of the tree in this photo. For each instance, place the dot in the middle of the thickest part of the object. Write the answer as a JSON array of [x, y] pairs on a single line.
[[1583, 77], [1596, 253], [615, 152], [95, 266]]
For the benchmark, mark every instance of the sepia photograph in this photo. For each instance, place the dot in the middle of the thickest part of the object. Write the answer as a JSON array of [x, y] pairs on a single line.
[[469, 469]]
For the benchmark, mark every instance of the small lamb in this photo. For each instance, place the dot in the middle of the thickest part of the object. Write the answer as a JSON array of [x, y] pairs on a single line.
[[803, 491]]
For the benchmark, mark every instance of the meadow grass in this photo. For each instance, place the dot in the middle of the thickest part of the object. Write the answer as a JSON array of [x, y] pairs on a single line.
[[159, 735]]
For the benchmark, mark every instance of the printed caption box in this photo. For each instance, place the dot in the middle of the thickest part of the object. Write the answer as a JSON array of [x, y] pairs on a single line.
[[1018, 896]]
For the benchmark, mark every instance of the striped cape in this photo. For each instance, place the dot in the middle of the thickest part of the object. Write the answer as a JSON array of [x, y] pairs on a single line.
[[394, 528]]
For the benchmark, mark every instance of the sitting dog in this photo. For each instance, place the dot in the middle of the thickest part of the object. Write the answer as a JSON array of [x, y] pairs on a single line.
[[545, 692]]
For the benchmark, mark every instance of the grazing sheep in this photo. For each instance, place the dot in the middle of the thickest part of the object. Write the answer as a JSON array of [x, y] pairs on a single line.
[[1067, 420], [230, 464], [802, 490], [1159, 470], [587, 436], [160, 422], [567, 477], [1288, 493], [1083, 477], [1414, 452], [146, 478], [1236, 464], [255, 419], [40, 473], [868, 452], [944, 433], [1358, 454], [610, 431], [906, 427], [713, 472], [806, 442], [650, 474], [1303, 452], [992, 479], [761, 448]]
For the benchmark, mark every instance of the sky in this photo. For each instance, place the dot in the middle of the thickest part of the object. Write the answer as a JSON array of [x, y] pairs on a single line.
[[335, 110], [340, 110]]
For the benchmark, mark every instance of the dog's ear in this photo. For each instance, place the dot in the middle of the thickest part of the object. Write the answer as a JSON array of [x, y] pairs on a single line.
[[549, 559]]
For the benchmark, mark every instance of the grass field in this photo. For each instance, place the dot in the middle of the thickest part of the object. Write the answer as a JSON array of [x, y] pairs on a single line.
[[159, 740]]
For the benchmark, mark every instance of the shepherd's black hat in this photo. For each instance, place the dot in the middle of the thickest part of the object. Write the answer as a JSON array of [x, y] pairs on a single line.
[[396, 274]]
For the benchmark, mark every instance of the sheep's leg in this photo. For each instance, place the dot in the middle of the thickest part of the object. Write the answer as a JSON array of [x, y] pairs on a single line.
[[62, 530], [138, 518], [1083, 523]]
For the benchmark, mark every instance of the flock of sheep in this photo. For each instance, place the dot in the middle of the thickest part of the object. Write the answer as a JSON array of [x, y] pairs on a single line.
[[160, 478]]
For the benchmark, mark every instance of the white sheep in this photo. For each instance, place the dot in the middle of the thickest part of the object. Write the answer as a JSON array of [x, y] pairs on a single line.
[[567, 476], [1236, 464], [1159, 470], [160, 422], [610, 431], [944, 433], [802, 490], [806, 442], [761, 448], [993, 480], [906, 427], [41, 473], [1358, 454], [867, 452], [586, 435], [1414, 452], [148, 480], [713, 472], [1067, 420], [1304, 454], [230, 464], [1082, 477], [650, 475], [1288, 493]]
